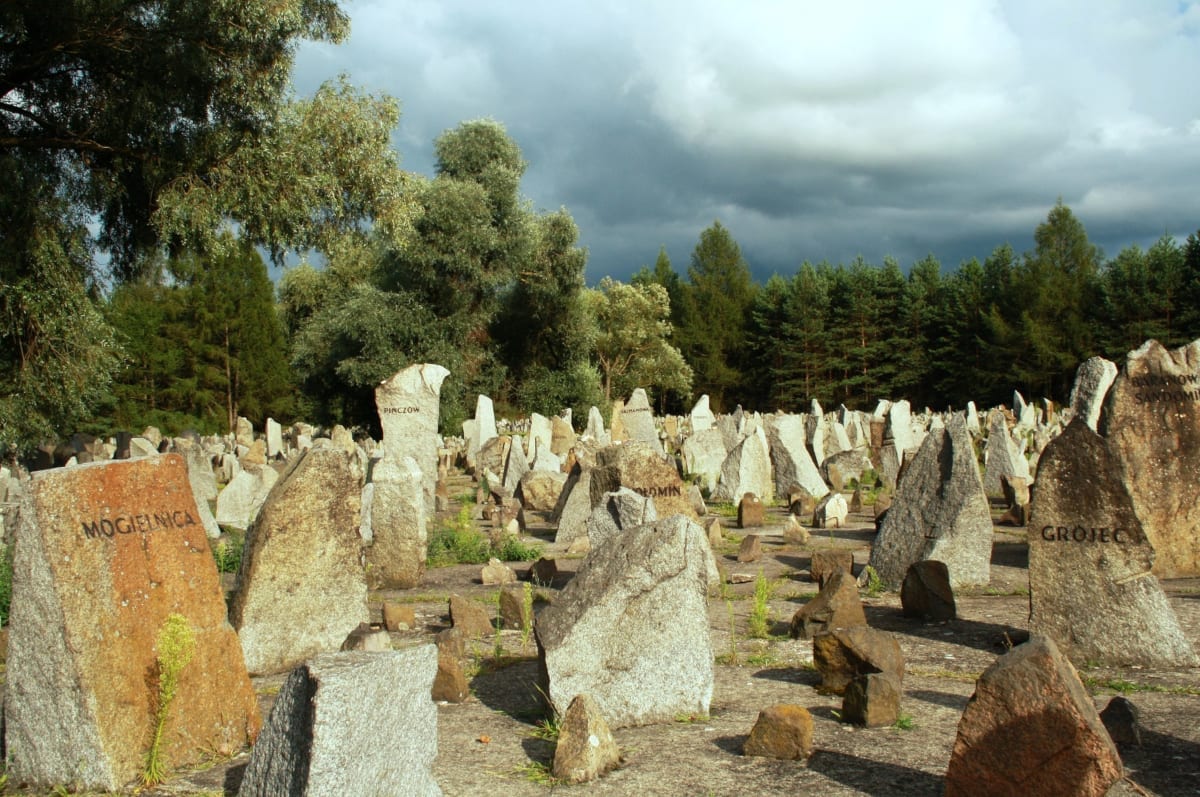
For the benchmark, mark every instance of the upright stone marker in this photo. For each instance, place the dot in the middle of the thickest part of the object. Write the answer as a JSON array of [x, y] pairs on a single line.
[[104, 554], [301, 588], [637, 418], [1090, 582], [1152, 422], [793, 465], [399, 537], [1092, 381], [747, 469], [409, 403], [702, 415], [644, 469], [939, 512], [1004, 456], [703, 455], [631, 628]]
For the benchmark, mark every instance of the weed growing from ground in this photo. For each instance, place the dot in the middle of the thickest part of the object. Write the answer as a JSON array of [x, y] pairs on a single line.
[[457, 541], [513, 550], [904, 722], [875, 585], [227, 552], [176, 646], [536, 772], [760, 612]]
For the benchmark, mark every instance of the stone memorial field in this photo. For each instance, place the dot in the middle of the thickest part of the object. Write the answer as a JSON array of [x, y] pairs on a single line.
[[887, 602]]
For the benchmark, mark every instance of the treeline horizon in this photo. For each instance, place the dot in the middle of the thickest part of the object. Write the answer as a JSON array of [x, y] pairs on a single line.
[[847, 334]]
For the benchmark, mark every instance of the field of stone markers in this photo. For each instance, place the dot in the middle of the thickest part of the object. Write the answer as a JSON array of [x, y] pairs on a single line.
[[895, 602]]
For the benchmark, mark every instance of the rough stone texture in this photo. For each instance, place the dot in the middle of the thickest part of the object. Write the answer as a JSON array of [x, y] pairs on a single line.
[[256, 454], [366, 638], [543, 571], [470, 616], [514, 614], [574, 507], [1031, 729], [926, 591], [794, 532], [837, 605], [637, 418], [843, 654], [343, 721], [301, 587], [888, 465], [204, 485], [702, 415], [540, 489], [450, 682], [872, 700], [586, 748], [244, 432], [750, 512], [515, 466], [104, 554], [274, 439], [540, 434], [825, 563], [899, 427], [1003, 456], [831, 512], [703, 455], [490, 461], [750, 550], [631, 628], [398, 617], [1152, 423], [622, 509], [496, 572], [647, 472], [399, 537], [1090, 583], [746, 469], [1120, 718], [485, 422], [841, 468], [716, 535], [939, 512], [242, 499], [1093, 378], [595, 427], [782, 731], [562, 435]]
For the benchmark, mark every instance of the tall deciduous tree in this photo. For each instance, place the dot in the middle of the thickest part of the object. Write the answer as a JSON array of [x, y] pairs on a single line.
[[163, 121], [633, 345]]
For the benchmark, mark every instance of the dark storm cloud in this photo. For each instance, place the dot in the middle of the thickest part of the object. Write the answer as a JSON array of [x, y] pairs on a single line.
[[812, 132]]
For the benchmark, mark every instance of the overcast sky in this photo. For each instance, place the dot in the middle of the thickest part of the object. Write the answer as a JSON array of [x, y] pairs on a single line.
[[811, 130]]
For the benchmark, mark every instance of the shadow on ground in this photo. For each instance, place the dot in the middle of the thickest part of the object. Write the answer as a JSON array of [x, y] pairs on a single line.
[[873, 777]]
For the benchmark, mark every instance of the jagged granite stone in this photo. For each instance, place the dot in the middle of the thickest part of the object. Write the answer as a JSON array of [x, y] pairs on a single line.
[[301, 587], [939, 512], [1091, 588], [631, 628], [351, 723]]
